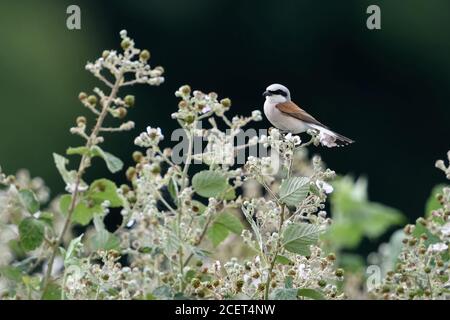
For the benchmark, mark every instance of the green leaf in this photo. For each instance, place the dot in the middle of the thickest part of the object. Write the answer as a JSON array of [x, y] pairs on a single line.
[[11, 273], [104, 240], [113, 163], [288, 282], [102, 190], [61, 162], [29, 200], [230, 194], [84, 213], [294, 190], [77, 150], [164, 292], [64, 203], [421, 229], [217, 233], [230, 221], [47, 217], [432, 202], [355, 217], [52, 292], [172, 187], [299, 236], [284, 294], [209, 183], [283, 260], [310, 293], [31, 233], [72, 249]]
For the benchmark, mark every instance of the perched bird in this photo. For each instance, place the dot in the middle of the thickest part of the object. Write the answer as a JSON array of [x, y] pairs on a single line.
[[289, 117]]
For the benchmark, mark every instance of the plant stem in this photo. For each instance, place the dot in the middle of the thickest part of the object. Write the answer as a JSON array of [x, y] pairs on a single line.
[[200, 239], [81, 169], [277, 249], [184, 181]]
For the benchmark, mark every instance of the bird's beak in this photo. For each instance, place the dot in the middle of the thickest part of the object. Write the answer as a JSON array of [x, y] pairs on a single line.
[[266, 93]]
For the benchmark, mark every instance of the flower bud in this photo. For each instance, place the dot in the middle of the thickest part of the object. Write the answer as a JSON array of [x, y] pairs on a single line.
[[201, 294], [182, 104], [422, 221], [195, 282], [125, 44], [82, 96], [226, 102], [125, 189], [331, 257], [137, 156], [92, 100], [186, 89], [129, 100], [339, 272], [121, 112], [81, 121], [130, 173], [105, 54], [144, 55], [189, 119]]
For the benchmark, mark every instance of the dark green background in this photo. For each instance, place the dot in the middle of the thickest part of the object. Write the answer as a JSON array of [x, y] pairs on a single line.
[[387, 89]]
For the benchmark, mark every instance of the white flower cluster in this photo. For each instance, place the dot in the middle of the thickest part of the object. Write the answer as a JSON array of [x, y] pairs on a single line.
[[119, 64], [151, 137]]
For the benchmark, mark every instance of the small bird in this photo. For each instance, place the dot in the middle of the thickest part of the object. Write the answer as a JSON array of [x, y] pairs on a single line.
[[289, 117]]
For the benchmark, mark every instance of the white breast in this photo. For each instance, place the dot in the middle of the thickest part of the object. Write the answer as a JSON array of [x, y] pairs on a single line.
[[283, 121]]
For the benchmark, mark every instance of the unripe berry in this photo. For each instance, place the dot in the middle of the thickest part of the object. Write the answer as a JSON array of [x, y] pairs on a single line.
[[226, 102], [137, 156], [331, 257], [129, 100], [144, 55], [195, 282], [339, 272], [125, 44], [130, 173], [121, 112], [92, 99]]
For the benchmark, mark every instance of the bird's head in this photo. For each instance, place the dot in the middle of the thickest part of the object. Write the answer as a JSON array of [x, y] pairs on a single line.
[[277, 93]]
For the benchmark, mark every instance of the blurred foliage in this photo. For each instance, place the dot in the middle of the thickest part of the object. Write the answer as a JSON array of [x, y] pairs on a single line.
[[355, 217]]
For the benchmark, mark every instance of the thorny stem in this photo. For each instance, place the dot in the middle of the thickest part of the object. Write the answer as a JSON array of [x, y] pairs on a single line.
[[81, 169]]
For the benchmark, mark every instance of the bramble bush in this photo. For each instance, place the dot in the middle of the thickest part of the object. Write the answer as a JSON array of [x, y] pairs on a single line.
[[196, 224]]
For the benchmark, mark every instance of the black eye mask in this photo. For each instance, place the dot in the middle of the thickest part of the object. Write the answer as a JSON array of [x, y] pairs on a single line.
[[279, 91]]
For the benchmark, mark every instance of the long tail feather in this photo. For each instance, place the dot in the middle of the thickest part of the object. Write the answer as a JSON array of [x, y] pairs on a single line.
[[330, 138]]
